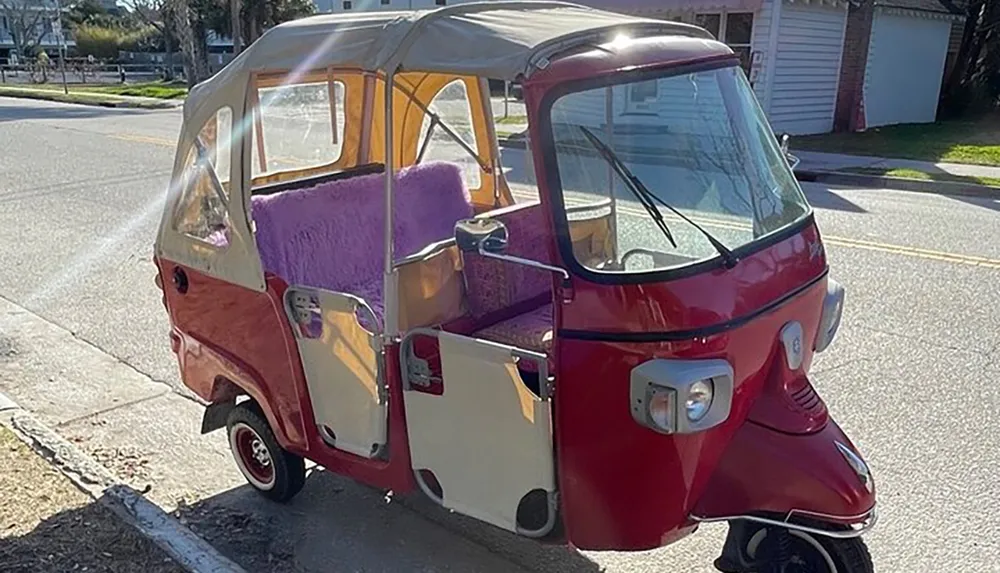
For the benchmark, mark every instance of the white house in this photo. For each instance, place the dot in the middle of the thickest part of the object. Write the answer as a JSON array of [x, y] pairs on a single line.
[[36, 19], [816, 65]]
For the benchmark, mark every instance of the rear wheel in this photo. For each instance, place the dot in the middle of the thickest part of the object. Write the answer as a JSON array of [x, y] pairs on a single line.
[[275, 473], [788, 551]]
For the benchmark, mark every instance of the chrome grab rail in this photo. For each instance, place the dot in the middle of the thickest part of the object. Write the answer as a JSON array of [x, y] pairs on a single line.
[[867, 522], [526, 262]]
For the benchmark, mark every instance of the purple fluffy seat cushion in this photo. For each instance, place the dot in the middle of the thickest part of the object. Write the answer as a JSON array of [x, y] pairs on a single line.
[[330, 235]]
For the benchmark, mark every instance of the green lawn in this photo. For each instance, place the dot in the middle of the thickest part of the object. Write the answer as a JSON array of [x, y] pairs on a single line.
[[914, 174], [966, 141], [157, 90], [512, 119]]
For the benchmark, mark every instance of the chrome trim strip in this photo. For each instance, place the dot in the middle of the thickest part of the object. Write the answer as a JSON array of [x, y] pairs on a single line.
[[867, 523], [526, 262]]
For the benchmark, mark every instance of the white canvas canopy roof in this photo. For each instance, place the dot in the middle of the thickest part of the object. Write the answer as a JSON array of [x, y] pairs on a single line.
[[497, 40]]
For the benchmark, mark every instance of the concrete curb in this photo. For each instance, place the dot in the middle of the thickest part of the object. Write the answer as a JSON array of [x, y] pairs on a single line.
[[512, 143], [899, 183], [862, 180], [180, 543], [60, 97]]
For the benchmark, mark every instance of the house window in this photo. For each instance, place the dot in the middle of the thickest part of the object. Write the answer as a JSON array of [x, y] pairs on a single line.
[[441, 2], [347, 5], [643, 92], [710, 22], [385, 2], [739, 30], [735, 29]]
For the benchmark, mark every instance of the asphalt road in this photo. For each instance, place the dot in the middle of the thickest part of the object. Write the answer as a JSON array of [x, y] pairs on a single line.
[[911, 376]]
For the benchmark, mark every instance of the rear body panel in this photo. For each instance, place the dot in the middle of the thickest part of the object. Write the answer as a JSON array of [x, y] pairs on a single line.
[[231, 339]]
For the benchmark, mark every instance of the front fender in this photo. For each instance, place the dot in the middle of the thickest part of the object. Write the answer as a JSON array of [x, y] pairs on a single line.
[[764, 471]]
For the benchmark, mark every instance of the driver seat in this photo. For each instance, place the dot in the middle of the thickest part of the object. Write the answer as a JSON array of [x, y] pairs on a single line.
[[530, 330]]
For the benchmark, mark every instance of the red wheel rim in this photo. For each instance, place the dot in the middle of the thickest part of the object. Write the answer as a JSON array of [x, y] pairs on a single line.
[[254, 457]]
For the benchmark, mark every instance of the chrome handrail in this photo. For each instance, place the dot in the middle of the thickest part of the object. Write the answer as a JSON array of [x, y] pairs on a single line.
[[866, 524]]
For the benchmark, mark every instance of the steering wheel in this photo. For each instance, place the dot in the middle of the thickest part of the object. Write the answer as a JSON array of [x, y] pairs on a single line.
[[655, 255]]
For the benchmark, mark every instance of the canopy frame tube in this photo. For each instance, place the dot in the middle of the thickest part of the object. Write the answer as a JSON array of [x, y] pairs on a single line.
[[391, 317]]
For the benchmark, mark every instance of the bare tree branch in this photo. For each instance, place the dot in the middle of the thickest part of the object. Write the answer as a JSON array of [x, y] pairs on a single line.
[[24, 20], [151, 12]]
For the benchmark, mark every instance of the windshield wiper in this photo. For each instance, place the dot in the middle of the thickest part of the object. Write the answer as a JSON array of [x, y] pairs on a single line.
[[632, 182], [647, 198]]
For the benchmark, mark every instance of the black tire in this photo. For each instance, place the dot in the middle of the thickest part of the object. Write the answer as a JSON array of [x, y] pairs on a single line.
[[846, 555], [271, 470], [851, 555]]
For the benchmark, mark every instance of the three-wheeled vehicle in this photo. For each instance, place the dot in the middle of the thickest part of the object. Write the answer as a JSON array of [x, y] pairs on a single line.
[[603, 340]]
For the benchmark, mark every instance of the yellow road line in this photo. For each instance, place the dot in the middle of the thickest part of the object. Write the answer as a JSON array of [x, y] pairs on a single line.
[[142, 139]]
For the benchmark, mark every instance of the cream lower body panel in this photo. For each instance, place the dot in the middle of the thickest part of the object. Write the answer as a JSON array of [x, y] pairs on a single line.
[[341, 364], [488, 438]]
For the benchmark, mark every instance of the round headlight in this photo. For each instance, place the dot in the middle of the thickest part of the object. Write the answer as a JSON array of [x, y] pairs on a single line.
[[699, 399], [661, 409]]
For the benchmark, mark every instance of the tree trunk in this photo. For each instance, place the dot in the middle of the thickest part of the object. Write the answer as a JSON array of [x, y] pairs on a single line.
[[168, 60], [195, 57], [986, 77], [962, 59], [199, 36], [235, 11]]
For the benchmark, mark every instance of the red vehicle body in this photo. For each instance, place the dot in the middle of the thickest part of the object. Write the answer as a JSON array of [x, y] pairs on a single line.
[[774, 461]]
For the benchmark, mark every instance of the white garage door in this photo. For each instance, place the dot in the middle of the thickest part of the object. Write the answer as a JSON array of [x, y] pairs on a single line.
[[807, 68], [905, 64]]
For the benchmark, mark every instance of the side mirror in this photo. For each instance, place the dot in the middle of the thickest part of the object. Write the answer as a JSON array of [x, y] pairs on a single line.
[[481, 235]]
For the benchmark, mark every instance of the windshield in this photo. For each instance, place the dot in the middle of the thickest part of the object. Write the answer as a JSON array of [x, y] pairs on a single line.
[[701, 146]]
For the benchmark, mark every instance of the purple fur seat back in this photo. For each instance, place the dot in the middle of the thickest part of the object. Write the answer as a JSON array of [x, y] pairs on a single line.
[[327, 236], [430, 199], [330, 235]]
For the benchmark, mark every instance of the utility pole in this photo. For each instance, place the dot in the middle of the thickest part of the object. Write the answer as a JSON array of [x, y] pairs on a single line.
[[235, 7]]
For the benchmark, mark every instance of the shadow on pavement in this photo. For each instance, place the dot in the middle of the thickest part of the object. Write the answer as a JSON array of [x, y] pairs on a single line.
[[60, 111], [984, 202], [336, 524], [85, 538], [821, 197]]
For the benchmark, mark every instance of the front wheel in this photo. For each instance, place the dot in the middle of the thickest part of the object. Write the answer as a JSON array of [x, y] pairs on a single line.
[[275, 473], [789, 551]]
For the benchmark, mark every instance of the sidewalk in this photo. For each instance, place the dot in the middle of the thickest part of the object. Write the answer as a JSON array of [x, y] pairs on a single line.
[[148, 435], [902, 174], [48, 524], [89, 98], [105, 427], [818, 161]]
